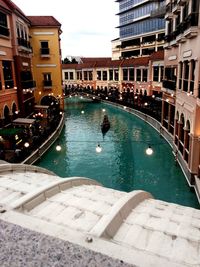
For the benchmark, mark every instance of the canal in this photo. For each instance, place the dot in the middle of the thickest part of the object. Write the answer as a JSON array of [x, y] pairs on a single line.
[[123, 163]]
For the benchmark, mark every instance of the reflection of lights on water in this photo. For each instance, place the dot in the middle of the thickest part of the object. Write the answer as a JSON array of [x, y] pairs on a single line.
[[58, 148], [98, 148], [103, 110], [149, 151]]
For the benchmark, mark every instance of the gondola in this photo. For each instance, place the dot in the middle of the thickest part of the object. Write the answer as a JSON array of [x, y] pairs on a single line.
[[105, 126]]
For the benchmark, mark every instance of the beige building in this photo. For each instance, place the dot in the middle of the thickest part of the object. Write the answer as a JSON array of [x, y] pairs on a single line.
[[182, 79]]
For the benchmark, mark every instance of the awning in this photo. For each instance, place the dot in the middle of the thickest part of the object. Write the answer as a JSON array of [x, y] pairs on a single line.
[[41, 107], [23, 121]]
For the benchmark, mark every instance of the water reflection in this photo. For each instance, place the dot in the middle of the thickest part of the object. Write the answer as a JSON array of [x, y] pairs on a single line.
[[123, 163]]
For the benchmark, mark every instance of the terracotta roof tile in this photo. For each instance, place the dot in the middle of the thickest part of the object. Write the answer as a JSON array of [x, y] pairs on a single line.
[[109, 63], [93, 59], [44, 21], [159, 55], [139, 61], [4, 5]]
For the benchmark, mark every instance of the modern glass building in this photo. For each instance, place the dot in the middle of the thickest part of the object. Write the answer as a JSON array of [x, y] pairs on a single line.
[[141, 28]]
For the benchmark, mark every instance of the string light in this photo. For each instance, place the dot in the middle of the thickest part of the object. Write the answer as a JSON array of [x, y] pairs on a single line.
[[98, 148], [149, 151], [58, 148], [26, 144]]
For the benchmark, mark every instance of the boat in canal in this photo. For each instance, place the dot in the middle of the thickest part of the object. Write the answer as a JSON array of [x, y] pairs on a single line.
[[105, 126]]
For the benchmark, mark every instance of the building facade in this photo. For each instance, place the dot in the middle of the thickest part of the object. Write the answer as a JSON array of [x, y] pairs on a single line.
[[141, 28], [45, 41], [140, 75], [8, 86], [20, 63], [181, 104], [22, 51]]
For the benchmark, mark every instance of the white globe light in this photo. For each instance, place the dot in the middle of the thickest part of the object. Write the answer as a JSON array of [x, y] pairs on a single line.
[[58, 148], [98, 149], [149, 151], [82, 112], [26, 144]]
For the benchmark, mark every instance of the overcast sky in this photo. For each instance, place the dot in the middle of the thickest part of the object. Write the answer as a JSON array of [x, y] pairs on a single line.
[[88, 25]]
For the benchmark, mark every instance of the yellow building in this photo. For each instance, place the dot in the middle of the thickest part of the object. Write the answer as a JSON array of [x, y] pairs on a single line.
[[45, 41]]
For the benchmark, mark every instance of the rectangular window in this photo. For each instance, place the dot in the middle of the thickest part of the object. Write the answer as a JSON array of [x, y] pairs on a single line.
[[138, 77], [3, 25], [192, 78], [125, 74], [47, 79], [155, 73], [105, 75], [99, 75], [90, 75], [71, 75], [85, 76], [111, 75], [116, 75], [66, 75], [145, 74], [180, 75], [79, 75], [131, 75], [161, 73], [186, 76], [44, 47], [7, 74]]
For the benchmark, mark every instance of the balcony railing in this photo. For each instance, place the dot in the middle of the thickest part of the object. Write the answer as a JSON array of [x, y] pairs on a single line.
[[47, 84], [28, 84], [45, 52], [24, 43], [169, 84], [9, 84], [4, 31]]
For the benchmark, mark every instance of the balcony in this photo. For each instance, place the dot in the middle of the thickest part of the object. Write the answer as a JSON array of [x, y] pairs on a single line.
[[30, 84], [169, 84], [4, 31], [24, 43], [44, 52], [47, 84], [191, 25], [9, 84]]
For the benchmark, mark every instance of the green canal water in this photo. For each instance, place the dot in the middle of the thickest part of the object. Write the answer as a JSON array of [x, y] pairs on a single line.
[[123, 163]]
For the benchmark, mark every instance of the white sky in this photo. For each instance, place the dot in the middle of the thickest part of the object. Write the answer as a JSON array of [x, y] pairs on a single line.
[[88, 25]]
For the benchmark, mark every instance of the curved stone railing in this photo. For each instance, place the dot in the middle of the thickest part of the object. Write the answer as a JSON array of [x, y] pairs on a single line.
[[33, 199], [16, 167], [36, 155], [110, 223]]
